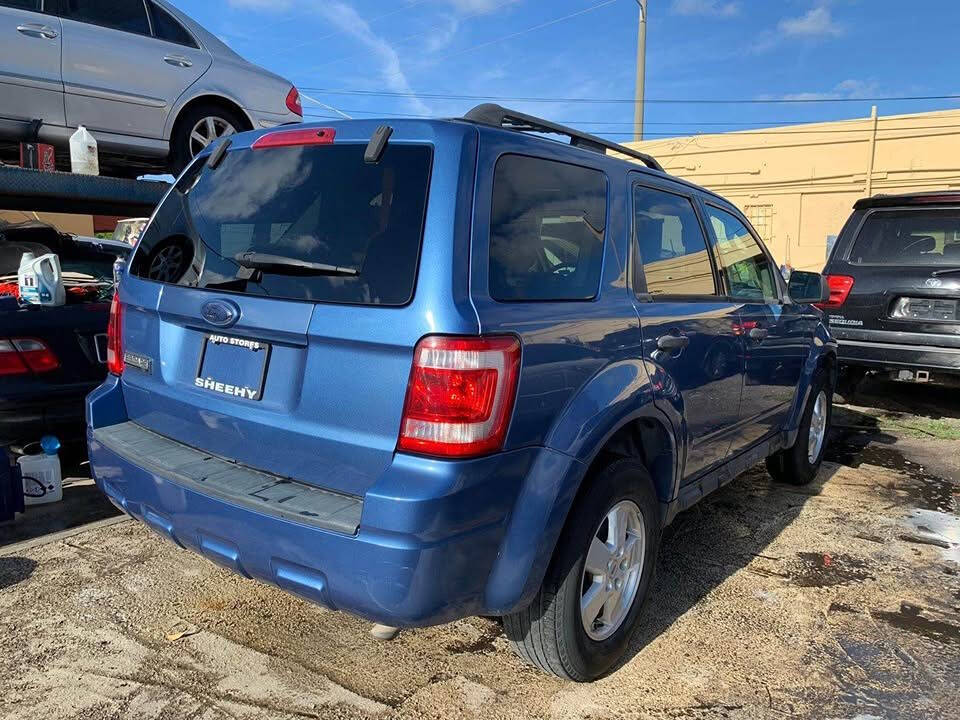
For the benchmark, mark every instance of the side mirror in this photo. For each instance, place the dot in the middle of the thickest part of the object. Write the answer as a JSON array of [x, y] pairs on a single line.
[[808, 287]]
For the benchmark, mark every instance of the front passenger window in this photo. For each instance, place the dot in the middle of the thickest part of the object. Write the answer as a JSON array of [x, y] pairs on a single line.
[[746, 268], [127, 15], [673, 251]]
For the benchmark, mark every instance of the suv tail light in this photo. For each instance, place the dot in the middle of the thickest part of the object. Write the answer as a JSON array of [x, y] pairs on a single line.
[[840, 287], [20, 356], [460, 396], [115, 337], [293, 102]]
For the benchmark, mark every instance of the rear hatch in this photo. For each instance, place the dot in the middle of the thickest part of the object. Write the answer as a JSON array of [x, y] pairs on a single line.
[[270, 313], [899, 274]]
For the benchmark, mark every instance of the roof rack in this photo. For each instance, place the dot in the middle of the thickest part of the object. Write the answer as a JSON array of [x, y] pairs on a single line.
[[501, 117]]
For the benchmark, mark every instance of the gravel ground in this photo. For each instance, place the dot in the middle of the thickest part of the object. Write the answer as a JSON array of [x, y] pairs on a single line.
[[839, 600]]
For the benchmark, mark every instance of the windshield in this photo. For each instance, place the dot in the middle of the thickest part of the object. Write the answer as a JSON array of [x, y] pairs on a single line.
[[909, 238], [274, 221]]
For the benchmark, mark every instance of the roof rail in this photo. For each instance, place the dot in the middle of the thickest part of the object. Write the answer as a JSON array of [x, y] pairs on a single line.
[[501, 117]]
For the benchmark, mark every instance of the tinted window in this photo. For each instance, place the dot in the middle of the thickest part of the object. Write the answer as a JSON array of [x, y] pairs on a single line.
[[546, 230], [360, 222], [673, 251], [166, 27], [748, 272], [909, 237], [127, 15], [22, 4]]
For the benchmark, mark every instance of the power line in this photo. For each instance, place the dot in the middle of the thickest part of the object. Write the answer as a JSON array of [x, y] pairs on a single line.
[[631, 101], [676, 123]]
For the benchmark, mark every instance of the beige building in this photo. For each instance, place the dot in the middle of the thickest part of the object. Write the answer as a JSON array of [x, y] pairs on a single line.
[[797, 184]]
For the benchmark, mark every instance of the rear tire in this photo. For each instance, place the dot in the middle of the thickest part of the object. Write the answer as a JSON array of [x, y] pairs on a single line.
[[185, 143], [551, 633], [799, 464]]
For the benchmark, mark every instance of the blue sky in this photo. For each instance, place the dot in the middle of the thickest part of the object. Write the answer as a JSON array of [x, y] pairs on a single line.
[[696, 49]]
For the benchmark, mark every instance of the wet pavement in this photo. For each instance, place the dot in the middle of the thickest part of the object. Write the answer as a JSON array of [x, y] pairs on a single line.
[[837, 600]]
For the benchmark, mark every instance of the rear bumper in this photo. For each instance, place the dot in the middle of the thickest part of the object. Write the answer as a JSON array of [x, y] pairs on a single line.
[[896, 356], [437, 540], [25, 419]]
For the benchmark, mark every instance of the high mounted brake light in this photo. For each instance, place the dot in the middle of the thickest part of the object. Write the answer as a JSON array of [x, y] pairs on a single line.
[[292, 138], [460, 396]]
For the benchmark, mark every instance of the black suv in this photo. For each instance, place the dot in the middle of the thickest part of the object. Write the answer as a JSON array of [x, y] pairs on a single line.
[[894, 277]]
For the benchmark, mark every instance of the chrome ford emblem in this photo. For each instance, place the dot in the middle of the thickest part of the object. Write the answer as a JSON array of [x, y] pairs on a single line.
[[933, 282], [221, 313]]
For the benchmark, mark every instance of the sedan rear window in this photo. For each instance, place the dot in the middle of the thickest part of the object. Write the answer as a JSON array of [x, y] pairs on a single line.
[[909, 237], [312, 223]]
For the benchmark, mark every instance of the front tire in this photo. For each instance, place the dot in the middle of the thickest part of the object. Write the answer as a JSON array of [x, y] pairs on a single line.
[[580, 622], [799, 465]]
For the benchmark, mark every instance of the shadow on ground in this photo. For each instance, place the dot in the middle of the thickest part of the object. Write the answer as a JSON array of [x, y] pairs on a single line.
[[14, 570]]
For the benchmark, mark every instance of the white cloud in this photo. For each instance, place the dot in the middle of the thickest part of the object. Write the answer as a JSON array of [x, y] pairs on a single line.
[[713, 8], [817, 23], [261, 4], [348, 21], [442, 34], [852, 89], [477, 6]]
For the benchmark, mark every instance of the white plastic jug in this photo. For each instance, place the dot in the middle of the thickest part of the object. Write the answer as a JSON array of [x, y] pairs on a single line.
[[41, 280], [83, 153], [42, 479]]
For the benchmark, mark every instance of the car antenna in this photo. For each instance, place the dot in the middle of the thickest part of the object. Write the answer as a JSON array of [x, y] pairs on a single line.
[[216, 157], [377, 144]]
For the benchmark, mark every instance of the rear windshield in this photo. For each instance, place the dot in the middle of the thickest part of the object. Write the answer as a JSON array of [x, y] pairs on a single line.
[[310, 223], [909, 237]]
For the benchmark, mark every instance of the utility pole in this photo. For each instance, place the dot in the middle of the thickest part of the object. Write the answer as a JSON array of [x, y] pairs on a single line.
[[641, 71]]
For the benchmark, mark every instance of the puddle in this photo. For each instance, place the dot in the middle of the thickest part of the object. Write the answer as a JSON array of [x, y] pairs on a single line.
[[924, 490], [910, 619], [939, 529], [826, 570]]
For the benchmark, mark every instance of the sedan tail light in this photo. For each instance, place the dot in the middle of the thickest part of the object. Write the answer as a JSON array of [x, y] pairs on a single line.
[[460, 396], [115, 337], [21, 356], [293, 102], [840, 287]]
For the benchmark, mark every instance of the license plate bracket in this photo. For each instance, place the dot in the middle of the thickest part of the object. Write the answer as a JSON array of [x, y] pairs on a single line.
[[232, 366]]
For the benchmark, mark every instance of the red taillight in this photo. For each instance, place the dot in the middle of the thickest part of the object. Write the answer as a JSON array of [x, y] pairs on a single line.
[[19, 356], [293, 102], [115, 337], [290, 138], [460, 395], [840, 287]]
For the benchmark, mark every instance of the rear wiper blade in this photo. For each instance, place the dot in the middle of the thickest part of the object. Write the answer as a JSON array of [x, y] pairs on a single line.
[[283, 265], [948, 271]]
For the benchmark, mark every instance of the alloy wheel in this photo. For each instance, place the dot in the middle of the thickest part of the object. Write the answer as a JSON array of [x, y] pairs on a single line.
[[206, 131]]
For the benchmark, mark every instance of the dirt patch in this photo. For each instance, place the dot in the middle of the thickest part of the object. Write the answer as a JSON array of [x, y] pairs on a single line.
[[749, 620]]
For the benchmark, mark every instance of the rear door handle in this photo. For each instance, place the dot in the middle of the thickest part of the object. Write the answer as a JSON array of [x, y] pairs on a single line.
[[759, 334], [177, 61], [672, 343], [37, 30]]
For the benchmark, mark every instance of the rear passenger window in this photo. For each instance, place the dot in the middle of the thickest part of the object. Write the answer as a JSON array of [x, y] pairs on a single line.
[[22, 4], [546, 230], [166, 27], [126, 15], [673, 250], [747, 269]]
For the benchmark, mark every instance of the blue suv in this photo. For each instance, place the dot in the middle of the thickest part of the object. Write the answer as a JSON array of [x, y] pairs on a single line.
[[441, 368]]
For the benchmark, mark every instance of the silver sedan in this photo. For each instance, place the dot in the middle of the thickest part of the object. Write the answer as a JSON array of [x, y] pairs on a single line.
[[152, 85]]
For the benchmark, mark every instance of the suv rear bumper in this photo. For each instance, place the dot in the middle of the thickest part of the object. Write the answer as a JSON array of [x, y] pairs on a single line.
[[437, 540], [878, 349]]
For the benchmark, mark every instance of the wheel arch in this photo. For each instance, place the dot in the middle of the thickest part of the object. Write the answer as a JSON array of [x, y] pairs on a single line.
[[204, 99]]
